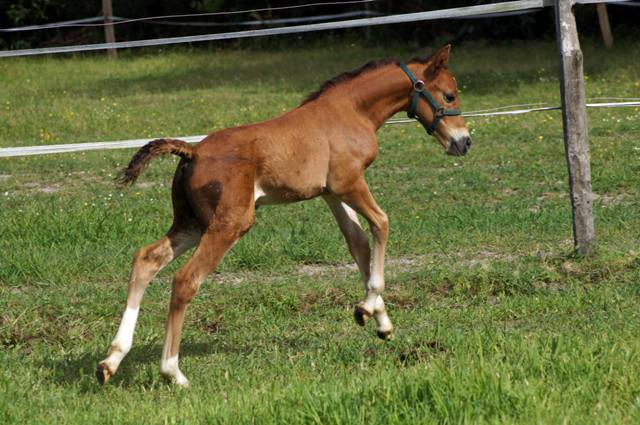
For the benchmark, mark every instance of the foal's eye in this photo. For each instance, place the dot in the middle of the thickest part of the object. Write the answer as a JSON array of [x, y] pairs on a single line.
[[449, 97]]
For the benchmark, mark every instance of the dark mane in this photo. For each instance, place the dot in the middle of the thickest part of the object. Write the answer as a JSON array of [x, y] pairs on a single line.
[[350, 75]]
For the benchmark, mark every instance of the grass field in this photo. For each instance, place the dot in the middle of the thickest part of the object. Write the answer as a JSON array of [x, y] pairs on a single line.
[[496, 320]]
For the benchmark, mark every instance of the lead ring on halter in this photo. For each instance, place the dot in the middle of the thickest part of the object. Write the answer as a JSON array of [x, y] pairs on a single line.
[[419, 90]]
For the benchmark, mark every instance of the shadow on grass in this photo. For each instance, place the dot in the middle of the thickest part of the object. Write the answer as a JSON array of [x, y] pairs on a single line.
[[79, 371]]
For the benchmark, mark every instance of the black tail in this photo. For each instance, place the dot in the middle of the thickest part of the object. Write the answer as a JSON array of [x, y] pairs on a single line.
[[149, 151]]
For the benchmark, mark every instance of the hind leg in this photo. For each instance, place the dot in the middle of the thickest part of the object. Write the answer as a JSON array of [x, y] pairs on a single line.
[[220, 236], [221, 196], [147, 262]]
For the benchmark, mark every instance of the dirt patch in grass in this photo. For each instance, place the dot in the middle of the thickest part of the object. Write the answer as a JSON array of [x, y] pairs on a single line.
[[42, 188], [482, 259], [332, 297], [420, 353], [211, 325], [611, 199], [318, 269]]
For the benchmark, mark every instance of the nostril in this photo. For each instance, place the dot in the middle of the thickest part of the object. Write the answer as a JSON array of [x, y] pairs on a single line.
[[467, 142]]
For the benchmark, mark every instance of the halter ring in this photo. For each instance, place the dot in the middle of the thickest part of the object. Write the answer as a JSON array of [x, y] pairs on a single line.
[[418, 86]]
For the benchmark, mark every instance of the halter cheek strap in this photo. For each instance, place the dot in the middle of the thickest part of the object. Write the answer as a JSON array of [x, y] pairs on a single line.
[[420, 90]]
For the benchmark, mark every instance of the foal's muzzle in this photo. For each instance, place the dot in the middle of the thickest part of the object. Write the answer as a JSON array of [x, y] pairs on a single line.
[[459, 147]]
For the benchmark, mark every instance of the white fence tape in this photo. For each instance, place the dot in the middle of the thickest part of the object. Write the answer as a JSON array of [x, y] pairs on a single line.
[[81, 147], [134, 143]]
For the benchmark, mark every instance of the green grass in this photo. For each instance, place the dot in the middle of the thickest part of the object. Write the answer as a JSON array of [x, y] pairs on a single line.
[[496, 320]]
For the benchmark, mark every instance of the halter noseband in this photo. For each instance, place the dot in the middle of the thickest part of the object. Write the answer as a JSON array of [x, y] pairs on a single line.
[[420, 90]]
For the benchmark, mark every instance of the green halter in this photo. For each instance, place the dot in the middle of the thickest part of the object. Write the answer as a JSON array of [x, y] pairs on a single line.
[[420, 90]]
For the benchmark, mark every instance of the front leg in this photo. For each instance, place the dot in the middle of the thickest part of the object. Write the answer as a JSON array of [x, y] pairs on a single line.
[[360, 199]]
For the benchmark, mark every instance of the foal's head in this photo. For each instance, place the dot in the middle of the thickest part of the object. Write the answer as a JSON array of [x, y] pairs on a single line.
[[449, 127]]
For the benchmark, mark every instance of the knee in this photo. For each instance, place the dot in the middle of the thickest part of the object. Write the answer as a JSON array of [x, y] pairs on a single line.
[[183, 294], [185, 288]]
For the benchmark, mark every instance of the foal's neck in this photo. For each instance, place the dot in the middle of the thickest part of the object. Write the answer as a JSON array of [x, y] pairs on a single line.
[[381, 93]]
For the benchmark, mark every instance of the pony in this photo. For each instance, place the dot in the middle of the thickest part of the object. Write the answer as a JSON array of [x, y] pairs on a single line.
[[321, 148]]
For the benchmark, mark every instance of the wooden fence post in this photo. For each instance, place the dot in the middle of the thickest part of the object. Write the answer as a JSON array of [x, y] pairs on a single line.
[[109, 33], [574, 119], [605, 28]]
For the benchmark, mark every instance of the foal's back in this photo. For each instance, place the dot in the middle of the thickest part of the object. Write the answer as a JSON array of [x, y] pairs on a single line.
[[285, 159]]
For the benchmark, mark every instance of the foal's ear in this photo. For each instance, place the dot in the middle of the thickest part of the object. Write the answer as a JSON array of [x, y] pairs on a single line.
[[439, 60]]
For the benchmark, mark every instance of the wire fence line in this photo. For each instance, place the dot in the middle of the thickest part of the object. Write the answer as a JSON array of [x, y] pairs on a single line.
[[492, 10], [278, 21], [120, 20], [97, 21], [89, 22], [63, 24], [134, 143], [497, 112]]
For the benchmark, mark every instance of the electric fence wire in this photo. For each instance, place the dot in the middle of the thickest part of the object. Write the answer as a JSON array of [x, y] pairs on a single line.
[[123, 144]]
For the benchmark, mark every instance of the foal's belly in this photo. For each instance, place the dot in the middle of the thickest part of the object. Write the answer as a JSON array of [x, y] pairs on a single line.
[[285, 194], [291, 169]]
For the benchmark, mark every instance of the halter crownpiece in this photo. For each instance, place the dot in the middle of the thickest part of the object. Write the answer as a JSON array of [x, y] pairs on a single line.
[[420, 90]]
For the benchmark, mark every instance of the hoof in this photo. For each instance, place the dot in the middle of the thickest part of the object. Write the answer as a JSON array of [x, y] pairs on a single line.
[[361, 315], [103, 374], [182, 382], [385, 335], [179, 380]]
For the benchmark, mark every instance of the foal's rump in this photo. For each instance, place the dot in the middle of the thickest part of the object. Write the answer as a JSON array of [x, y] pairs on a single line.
[[217, 186]]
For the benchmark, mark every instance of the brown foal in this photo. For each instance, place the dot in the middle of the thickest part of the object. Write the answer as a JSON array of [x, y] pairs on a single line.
[[321, 148]]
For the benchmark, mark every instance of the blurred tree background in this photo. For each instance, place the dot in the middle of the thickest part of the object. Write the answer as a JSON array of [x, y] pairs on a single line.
[[539, 24]]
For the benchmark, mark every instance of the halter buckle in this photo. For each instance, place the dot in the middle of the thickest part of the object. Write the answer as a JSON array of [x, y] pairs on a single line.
[[439, 111]]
